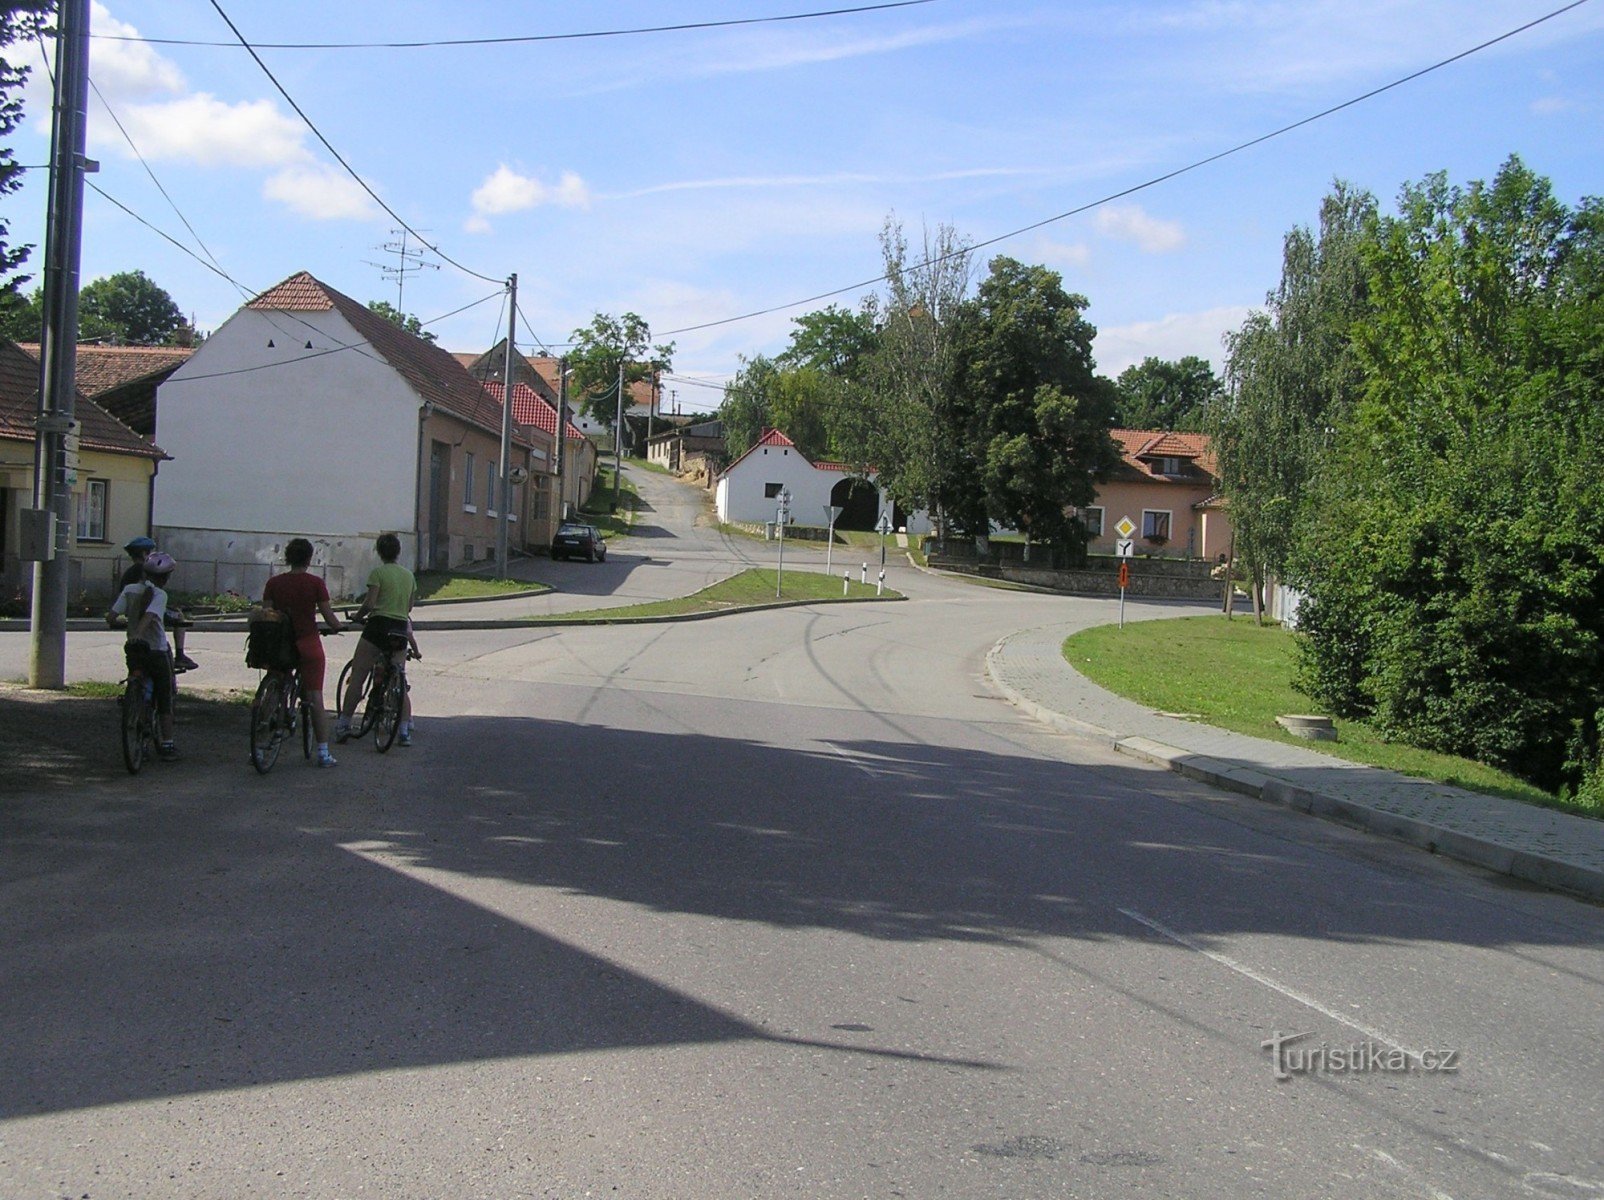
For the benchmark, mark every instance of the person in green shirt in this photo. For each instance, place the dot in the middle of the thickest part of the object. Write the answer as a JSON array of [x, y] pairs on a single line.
[[387, 607]]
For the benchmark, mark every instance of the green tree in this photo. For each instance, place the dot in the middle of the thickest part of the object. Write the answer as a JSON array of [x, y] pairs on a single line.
[[1291, 379], [19, 22], [1161, 394], [599, 347], [1037, 417], [1454, 563], [22, 320], [127, 308], [832, 340], [763, 395], [406, 321]]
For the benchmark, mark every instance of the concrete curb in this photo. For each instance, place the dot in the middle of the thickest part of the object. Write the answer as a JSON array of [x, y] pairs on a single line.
[[1526, 865]]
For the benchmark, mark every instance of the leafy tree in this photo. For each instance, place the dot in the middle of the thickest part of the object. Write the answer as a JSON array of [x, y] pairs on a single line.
[[1037, 416], [19, 22], [1291, 378], [1160, 394], [1454, 561], [22, 320], [832, 340], [764, 395], [406, 321], [127, 308], [599, 347], [905, 416]]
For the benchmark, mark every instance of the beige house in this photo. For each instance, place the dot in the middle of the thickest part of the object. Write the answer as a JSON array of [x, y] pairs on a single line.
[[1165, 486], [111, 494]]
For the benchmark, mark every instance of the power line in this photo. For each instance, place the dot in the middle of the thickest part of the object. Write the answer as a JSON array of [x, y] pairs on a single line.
[[1149, 183], [537, 37], [327, 145]]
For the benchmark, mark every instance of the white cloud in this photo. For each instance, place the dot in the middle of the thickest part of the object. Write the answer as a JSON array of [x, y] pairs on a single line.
[[202, 129], [321, 192], [1173, 336], [1129, 223], [128, 70], [1551, 106], [1061, 256], [506, 191]]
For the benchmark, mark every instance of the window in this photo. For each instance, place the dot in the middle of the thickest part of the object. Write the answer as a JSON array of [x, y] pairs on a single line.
[[771, 491], [1170, 466], [1092, 518], [467, 486], [92, 511], [490, 490], [1156, 524]]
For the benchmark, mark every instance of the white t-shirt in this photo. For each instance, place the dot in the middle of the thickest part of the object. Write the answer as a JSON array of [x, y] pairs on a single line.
[[129, 596]]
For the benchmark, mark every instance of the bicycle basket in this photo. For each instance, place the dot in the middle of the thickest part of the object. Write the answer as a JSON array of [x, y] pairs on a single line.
[[270, 646]]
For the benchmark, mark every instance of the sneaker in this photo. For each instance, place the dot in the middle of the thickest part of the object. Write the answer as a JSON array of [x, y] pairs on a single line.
[[342, 730], [184, 662], [327, 760], [404, 739], [167, 752]]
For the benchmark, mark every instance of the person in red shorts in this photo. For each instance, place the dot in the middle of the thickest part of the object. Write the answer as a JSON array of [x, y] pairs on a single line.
[[301, 596]]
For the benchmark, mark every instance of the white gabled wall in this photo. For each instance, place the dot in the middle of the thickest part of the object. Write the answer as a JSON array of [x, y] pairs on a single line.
[[741, 489], [270, 443]]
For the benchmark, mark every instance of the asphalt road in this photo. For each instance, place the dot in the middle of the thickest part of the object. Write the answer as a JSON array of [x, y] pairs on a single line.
[[782, 904]]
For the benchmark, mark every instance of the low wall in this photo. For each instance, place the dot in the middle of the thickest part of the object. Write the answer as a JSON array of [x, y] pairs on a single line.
[[212, 561], [1156, 578]]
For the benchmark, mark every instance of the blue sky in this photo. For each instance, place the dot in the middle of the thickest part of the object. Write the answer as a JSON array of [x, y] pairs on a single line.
[[700, 175]]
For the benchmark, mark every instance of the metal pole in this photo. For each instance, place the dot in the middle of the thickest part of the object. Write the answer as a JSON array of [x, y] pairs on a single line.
[[785, 514], [47, 653], [618, 434], [562, 438], [502, 513]]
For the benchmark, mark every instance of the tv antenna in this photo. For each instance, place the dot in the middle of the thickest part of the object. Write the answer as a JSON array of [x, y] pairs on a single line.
[[409, 261]]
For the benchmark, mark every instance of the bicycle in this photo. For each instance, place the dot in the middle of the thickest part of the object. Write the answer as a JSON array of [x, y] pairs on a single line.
[[278, 709], [381, 698], [137, 708]]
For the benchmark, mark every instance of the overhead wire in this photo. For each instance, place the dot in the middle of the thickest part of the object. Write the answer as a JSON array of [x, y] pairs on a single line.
[[1148, 183], [338, 157], [526, 38]]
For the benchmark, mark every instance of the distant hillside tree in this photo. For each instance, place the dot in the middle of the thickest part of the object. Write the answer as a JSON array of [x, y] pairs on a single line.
[[406, 321], [128, 308], [1160, 394]]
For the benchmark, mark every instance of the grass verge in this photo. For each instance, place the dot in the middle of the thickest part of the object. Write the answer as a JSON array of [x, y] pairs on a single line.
[[598, 510], [750, 589], [1238, 675], [461, 585]]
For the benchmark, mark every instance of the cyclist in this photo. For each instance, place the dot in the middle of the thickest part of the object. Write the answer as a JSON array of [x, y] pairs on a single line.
[[392, 589], [137, 550], [302, 596], [144, 604]]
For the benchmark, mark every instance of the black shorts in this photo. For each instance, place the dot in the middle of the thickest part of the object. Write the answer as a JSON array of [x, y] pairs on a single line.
[[158, 668], [379, 630]]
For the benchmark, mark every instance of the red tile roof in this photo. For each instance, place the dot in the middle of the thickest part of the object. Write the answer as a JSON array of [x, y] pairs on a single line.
[[103, 368], [1138, 446], [530, 408], [433, 373], [19, 408]]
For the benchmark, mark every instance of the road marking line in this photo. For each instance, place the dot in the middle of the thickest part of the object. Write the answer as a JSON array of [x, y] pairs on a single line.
[[1264, 980]]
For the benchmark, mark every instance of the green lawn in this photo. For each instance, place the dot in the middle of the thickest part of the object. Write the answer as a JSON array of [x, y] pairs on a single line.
[[460, 585], [749, 589], [598, 509], [1238, 675]]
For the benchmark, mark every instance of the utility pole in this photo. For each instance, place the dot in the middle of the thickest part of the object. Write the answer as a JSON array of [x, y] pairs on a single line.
[[618, 435], [502, 513], [562, 438], [50, 523]]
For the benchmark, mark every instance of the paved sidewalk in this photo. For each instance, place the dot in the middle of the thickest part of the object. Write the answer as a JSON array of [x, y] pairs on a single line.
[[1540, 845]]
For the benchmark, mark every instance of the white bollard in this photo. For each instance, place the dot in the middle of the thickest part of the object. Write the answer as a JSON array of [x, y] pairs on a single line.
[[865, 572], [880, 587], [846, 581]]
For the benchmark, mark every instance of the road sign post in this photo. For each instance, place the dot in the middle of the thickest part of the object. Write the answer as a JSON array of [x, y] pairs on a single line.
[[784, 515], [883, 528], [1124, 582], [831, 512]]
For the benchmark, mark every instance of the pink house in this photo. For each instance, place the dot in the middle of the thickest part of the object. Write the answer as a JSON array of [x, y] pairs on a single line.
[[1166, 487]]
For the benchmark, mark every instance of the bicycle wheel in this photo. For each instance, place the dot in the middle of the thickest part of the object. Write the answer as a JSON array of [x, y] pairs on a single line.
[[361, 717], [267, 722], [135, 725], [388, 720]]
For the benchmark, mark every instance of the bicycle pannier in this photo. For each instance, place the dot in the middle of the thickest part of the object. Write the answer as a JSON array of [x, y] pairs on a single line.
[[270, 646]]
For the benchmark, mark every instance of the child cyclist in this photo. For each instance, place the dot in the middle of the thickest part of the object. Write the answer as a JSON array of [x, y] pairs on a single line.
[[144, 604], [138, 550]]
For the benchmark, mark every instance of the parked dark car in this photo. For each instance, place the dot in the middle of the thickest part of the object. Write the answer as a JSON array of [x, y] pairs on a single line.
[[583, 540]]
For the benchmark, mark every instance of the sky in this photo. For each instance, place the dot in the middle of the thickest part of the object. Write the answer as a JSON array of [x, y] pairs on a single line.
[[698, 175]]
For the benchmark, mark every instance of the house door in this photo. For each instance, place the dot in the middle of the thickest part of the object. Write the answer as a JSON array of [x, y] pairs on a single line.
[[439, 495]]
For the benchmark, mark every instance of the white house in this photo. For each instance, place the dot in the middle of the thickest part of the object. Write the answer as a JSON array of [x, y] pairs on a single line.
[[749, 490], [307, 414]]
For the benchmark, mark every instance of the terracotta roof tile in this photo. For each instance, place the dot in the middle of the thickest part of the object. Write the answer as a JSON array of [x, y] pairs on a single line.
[[1136, 446], [532, 409], [19, 408]]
